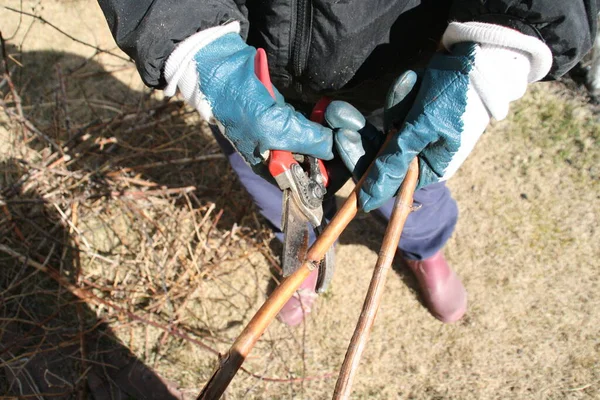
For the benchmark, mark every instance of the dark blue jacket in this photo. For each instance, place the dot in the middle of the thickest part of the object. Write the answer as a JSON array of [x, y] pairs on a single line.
[[350, 48]]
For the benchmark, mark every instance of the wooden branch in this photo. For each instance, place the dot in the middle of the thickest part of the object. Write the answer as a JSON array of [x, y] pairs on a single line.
[[182, 161], [230, 362], [91, 298], [73, 38], [402, 207]]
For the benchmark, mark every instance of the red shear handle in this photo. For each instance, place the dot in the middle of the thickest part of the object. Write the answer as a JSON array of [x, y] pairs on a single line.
[[279, 160], [261, 69], [318, 115], [282, 160]]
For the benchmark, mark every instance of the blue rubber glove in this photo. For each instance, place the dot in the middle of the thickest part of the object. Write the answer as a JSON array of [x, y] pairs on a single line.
[[356, 140], [225, 88], [440, 127], [433, 129]]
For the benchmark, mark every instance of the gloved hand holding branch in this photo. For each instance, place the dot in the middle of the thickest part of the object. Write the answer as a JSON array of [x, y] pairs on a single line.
[[214, 71], [484, 68]]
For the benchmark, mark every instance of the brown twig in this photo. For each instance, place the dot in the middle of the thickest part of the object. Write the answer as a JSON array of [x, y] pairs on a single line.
[[139, 194], [44, 179], [82, 385], [87, 296], [402, 207], [4, 55], [18, 113], [230, 362], [187, 160], [16, 98], [25, 122], [62, 99], [45, 21]]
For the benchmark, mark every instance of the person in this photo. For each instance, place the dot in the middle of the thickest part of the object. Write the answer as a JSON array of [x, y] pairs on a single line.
[[472, 59]]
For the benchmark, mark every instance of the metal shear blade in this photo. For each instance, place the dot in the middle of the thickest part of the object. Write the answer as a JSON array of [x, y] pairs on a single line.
[[326, 267], [302, 205], [295, 230]]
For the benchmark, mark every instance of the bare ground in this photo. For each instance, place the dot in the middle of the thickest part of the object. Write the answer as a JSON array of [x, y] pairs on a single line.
[[180, 245]]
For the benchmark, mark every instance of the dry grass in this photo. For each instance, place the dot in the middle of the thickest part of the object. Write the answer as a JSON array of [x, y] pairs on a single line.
[[117, 261]]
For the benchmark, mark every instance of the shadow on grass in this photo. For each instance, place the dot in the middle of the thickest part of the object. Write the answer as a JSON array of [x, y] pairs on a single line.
[[117, 143], [51, 343]]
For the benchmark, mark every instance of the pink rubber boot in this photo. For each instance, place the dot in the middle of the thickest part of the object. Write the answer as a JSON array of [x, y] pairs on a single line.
[[442, 289], [294, 311]]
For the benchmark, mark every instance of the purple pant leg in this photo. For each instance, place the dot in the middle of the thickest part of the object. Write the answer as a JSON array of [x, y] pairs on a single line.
[[426, 230], [265, 195]]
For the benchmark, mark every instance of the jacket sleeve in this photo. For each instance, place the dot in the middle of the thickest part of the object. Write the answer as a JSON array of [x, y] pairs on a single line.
[[568, 27], [149, 30]]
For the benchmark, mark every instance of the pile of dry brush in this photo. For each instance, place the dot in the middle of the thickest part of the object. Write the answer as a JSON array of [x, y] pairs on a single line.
[[117, 209]]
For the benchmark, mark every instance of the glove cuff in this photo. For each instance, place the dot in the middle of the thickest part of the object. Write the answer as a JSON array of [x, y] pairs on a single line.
[[540, 56], [180, 68]]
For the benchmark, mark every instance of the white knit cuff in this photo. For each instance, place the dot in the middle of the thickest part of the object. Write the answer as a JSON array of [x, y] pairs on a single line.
[[540, 55], [180, 68]]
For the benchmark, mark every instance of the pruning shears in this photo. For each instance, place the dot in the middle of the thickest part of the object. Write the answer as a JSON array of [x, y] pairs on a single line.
[[303, 180], [231, 361]]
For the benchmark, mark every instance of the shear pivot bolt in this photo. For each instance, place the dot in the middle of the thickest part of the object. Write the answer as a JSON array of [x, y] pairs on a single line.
[[318, 191]]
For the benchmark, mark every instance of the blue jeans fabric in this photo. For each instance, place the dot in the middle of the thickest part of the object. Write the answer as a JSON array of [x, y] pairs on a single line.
[[426, 230]]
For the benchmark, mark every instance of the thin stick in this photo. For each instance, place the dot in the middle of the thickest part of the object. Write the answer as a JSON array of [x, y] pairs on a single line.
[[187, 160], [230, 362], [89, 297], [402, 207], [45, 21]]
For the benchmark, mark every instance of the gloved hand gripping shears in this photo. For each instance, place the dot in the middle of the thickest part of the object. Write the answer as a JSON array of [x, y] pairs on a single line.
[[232, 360], [303, 180]]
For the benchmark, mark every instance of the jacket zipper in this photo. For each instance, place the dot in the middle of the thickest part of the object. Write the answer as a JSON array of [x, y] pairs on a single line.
[[301, 40]]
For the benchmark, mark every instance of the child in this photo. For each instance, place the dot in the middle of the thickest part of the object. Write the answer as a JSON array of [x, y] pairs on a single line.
[[354, 50]]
